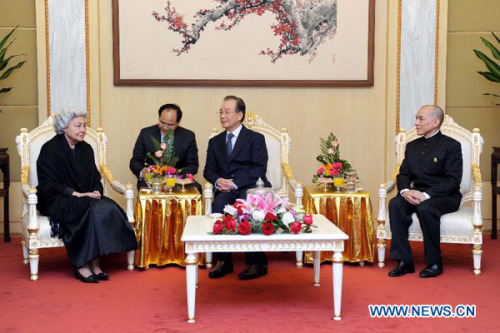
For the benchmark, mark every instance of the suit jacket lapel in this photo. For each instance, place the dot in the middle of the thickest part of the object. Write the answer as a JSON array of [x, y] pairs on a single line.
[[239, 143]]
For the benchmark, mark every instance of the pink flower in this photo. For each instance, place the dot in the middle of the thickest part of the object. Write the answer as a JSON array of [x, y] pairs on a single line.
[[330, 150], [163, 145], [308, 219], [159, 153], [171, 170], [337, 165], [190, 177], [320, 171], [335, 172], [335, 143]]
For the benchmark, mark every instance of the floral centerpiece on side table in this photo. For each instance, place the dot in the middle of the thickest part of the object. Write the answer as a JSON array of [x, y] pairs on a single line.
[[333, 168], [263, 214], [165, 160]]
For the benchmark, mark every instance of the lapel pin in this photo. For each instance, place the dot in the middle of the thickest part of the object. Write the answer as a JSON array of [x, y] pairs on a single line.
[[435, 160]]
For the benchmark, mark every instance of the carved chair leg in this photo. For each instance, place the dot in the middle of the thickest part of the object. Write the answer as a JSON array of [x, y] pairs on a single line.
[[130, 260], [25, 253], [34, 258], [381, 252], [476, 255]]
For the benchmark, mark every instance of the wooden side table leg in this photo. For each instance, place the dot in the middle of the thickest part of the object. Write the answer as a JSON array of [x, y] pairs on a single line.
[[494, 190], [337, 268]]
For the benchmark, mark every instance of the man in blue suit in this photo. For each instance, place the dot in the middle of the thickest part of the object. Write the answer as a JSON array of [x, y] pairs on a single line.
[[429, 185], [236, 158], [169, 118]]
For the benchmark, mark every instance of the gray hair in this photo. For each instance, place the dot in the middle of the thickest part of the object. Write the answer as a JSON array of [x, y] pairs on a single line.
[[65, 116], [436, 112]]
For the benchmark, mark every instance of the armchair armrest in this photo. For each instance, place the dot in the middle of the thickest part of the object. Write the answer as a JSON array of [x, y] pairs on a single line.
[[296, 187], [24, 182], [477, 195], [125, 190], [385, 188], [476, 174], [208, 195]]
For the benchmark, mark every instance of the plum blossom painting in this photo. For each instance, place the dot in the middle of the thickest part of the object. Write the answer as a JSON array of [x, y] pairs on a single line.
[[243, 42]]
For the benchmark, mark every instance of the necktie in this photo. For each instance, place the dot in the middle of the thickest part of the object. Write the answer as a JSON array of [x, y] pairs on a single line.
[[229, 144]]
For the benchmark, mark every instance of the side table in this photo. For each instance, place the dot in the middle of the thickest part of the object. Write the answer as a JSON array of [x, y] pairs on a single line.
[[160, 220], [4, 192], [352, 213], [495, 190]]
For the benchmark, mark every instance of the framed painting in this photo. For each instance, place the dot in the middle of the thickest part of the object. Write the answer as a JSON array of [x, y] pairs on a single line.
[[281, 43]]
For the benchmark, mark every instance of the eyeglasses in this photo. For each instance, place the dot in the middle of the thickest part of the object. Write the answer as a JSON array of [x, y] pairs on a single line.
[[225, 112]]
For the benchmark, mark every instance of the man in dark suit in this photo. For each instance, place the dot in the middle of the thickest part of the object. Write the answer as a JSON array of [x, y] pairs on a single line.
[[236, 158], [169, 118], [429, 185]]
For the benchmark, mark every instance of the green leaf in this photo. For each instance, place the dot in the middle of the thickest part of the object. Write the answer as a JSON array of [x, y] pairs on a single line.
[[493, 49], [490, 76], [5, 90], [155, 143], [3, 63], [4, 40], [152, 157], [498, 39], [9, 71], [491, 94], [492, 66]]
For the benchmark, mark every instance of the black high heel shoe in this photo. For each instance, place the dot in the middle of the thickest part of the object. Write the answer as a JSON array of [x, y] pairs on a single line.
[[89, 279]]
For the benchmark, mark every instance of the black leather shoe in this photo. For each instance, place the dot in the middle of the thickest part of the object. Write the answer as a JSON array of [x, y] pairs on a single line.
[[402, 268], [89, 279], [222, 268], [253, 272], [432, 271], [102, 276]]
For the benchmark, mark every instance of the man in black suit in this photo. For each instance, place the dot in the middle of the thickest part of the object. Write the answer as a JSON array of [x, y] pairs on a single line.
[[169, 118], [429, 185], [236, 158]]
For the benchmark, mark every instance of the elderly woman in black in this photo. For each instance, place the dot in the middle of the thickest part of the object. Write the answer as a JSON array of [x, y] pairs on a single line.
[[70, 193]]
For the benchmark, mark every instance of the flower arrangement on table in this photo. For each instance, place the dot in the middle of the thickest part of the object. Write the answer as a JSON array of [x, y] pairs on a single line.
[[165, 161], [263, 214], [333, 167]]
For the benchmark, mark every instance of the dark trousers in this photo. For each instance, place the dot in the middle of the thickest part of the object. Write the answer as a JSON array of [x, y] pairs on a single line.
[[429, 213], [220, 201]]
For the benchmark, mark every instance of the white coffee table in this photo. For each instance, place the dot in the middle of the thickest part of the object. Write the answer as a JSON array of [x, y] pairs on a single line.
[[326, 237]]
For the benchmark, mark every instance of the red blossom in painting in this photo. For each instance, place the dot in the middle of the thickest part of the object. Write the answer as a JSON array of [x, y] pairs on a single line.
[[301, 25]]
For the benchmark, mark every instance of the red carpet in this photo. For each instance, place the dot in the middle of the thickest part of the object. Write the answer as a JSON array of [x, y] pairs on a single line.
[[154, 300]]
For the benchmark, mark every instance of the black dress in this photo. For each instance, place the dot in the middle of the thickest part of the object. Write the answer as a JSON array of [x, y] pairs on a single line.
[[89, 227]]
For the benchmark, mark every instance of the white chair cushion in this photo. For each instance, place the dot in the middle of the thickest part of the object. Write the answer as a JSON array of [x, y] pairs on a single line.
[[274, 163], [43, 232], [457, 223]]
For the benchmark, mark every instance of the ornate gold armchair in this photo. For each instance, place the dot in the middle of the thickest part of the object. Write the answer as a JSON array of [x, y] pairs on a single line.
[[463, 226], [279, 172], [35, 227]]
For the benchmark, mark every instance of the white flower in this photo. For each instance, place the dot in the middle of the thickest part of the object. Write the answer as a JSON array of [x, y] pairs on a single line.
[[281, 210], [230, 210], [287, 218], [258, 215]]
